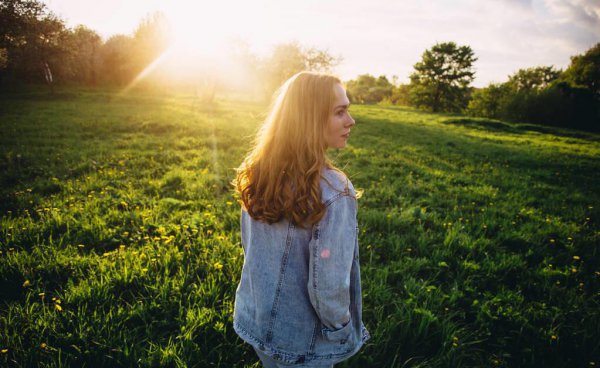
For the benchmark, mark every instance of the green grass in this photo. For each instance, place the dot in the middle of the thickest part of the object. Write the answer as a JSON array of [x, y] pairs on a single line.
[[120, 244]]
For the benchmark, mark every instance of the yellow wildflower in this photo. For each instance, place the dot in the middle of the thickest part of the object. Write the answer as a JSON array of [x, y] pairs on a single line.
[[43, 345], [4, 351], [553, 337], [58, 307], [218, 265], [26, 283], [576, 258]]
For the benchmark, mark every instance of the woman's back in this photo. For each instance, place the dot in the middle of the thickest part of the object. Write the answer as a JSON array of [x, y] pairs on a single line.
[[299, 298]]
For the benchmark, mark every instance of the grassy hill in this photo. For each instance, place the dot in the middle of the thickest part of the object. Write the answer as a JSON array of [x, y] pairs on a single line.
[[119, 235]]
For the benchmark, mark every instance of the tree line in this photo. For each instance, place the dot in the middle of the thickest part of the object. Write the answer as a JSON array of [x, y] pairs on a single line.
[[36, 46], [441, 82]]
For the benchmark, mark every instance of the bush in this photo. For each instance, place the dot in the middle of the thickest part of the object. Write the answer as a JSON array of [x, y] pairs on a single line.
[[560, 104]]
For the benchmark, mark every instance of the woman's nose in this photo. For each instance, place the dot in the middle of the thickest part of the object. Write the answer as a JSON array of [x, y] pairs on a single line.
[[350, 121]]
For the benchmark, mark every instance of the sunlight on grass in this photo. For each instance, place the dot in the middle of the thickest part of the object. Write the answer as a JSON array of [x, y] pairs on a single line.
[[119, 234]]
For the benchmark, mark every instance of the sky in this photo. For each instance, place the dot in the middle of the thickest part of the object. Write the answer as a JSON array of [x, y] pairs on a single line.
[[378, 37]]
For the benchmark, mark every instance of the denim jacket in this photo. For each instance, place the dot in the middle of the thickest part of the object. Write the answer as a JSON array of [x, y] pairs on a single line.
[[299, 297]]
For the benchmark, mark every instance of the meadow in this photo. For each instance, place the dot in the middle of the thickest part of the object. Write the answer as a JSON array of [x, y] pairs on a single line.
[[120, 244]]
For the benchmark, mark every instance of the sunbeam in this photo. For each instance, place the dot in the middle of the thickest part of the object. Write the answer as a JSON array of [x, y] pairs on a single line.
[[147, 70]]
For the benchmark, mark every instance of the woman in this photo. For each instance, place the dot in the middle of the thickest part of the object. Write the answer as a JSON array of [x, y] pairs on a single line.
[[299, 297]]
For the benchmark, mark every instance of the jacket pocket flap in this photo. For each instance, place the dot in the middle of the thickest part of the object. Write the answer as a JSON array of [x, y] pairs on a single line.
[[339, 334]]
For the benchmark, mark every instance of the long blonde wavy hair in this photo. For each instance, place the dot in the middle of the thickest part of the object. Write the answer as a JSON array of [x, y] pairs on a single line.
[[280, 177]]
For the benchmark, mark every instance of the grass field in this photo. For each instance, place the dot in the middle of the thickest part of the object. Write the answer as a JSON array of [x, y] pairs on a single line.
[[119, 236]]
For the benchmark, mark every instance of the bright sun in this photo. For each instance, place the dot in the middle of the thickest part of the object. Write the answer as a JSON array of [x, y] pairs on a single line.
[[202, 32], [206, 28], [202, 36]]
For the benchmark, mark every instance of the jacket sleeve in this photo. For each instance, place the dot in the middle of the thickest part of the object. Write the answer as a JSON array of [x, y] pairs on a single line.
[[332, 250]]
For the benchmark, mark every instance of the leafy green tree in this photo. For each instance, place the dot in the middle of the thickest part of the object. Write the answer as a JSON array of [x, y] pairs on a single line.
[[489, 101], [533, 79], [400, 95], [442, 78], [15, 16], [84, 56], [290, 58], [584, 70], [117, 66], [31, 36], [368, 89], [44, 48]]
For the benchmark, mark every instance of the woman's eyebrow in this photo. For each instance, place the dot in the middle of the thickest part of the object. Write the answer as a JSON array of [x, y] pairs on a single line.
[[344, 106]]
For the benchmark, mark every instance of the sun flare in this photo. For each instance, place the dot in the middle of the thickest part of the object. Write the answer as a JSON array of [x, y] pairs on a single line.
[[202, 34]]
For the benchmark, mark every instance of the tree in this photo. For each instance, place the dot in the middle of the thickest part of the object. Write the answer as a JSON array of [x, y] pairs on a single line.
[[31, 36], [290, 58], [533, 79], [44, 48], [84, 61], [441, 79], [400, 95], [115, 58], [14, 18], [3, 58], [151, 39], [584, 70], [368, 89], [489, 101]]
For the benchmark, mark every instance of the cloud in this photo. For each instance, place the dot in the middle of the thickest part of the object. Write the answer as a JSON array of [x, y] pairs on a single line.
[[584, 13], [526, 4]]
